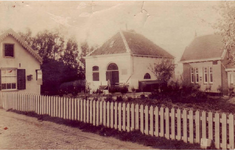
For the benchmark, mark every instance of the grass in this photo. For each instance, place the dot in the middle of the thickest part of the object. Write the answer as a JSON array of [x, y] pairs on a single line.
[[133, 136]]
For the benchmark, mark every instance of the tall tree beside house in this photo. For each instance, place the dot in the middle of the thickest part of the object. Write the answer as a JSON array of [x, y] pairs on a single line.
[[61, 58], [226, 26], [163, 71]]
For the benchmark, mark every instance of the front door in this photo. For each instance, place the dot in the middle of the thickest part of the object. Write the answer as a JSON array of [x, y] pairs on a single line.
[[112, 74]]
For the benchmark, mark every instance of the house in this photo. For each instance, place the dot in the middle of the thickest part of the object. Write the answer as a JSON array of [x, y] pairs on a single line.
[[205, 62], [123, 59], [19, 65]]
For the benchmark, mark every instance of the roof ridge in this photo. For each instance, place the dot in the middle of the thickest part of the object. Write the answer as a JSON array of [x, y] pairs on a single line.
[[128, 50]]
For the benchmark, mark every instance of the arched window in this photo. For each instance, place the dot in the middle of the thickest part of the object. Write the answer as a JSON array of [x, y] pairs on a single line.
[[95, 73], [112, 66], [147, 76]]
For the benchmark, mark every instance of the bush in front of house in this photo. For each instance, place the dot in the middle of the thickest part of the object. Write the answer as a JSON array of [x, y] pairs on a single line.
[[179, 92], [121, 89]]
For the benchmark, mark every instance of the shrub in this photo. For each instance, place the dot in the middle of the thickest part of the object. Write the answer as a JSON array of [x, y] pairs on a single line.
[[179, 92]]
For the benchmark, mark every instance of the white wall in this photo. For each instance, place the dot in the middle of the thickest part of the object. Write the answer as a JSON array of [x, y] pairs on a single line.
[[141, 67], [123, 62], [22, 60]]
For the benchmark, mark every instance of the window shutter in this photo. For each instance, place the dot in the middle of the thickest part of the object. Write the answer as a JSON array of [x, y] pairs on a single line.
[[0, 80], [21, 79]]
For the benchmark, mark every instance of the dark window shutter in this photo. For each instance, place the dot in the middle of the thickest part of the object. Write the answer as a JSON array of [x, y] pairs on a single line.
[[0, 80], [21, 79]]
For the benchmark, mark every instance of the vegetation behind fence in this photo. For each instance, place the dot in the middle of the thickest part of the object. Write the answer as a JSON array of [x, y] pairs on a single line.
[[176, 124]]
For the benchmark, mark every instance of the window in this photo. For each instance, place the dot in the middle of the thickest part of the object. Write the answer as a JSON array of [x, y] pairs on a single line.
[[211, 74], [95, 73], [192, 75], [197, 76], [205, 75], [8, 78], [147, 76], [9, 50]]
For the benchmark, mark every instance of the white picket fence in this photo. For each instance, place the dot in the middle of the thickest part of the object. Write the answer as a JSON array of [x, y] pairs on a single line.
[[176, 124]]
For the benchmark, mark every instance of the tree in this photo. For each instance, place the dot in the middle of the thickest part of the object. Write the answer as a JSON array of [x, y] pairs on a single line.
[[61, 58], [226, 26], [48, 45], [163, 70]]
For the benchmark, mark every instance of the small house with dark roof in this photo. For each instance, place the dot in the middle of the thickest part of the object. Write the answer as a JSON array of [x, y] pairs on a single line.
[[19, 65], [205, 62], [123, 59]]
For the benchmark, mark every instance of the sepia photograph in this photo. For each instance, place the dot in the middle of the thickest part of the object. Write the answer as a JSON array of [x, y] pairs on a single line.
[[117, 74]]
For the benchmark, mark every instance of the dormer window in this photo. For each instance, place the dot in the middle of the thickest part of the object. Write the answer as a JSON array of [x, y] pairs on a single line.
[[8, 50]]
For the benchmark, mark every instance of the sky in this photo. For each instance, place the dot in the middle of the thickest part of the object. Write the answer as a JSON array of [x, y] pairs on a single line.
[[171, 25]]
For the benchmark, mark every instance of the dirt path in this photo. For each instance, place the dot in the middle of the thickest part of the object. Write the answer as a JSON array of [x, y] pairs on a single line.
[[25, 132]]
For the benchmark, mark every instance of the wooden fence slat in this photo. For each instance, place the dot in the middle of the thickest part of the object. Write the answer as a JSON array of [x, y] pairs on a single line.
[[185, 136], [217, 131], [91, 111], [231, 131], [97, 113], [156, 113], [101, 113], [178, 115], [203, 124], [151, 121], [161, 113], [84, 111], [132, 117], [111, 114], [167, 125], [137, 117], [141, 118], [128, 117], [210, 126], [108, 115], [191, 135], [146, 111], [94, 113], [116, 115], [224, 131], [104, 114], [197, 123], [124, 117], [87, 110], [173, 123], [120, 116]]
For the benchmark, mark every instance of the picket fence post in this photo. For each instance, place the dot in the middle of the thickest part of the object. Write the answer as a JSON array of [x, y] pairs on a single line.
[[116, 115], [141, 118], [111, 121], [156, 113], [178, 124], [217, 131], [146, 111], [120, 116], [173, 123], [128, 117], [231, 131], [151, 121]]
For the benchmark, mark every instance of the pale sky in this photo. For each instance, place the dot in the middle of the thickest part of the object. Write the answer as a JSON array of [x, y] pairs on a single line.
[[171, 25]]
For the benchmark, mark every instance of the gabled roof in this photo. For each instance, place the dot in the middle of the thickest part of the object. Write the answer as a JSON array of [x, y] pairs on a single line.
[[131, 42], [208, 47], [12, 33]]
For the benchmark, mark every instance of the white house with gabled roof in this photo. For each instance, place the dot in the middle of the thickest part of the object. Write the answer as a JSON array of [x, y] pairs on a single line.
[[124, 59], [19, 65]]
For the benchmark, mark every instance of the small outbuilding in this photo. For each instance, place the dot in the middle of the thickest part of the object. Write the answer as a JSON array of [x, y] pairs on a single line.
[[124, 59]]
